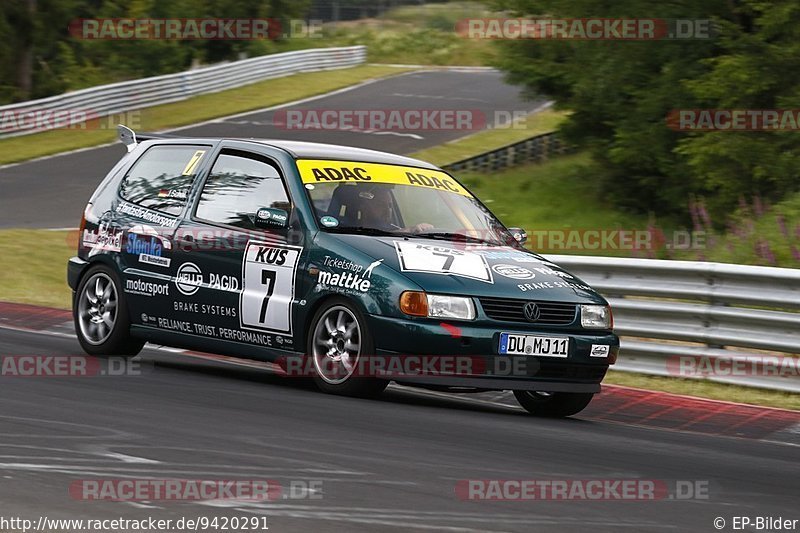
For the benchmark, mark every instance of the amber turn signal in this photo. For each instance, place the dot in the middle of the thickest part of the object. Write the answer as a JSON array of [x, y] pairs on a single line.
[[414, 303]]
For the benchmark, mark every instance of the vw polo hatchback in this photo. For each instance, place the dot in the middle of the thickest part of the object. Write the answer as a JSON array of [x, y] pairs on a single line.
[[352, 267]]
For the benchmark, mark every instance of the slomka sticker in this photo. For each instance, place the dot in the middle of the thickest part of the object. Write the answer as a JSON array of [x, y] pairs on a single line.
[[416, 257], [325, 171]]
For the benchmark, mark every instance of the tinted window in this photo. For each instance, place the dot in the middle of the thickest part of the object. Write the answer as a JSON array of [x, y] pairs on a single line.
[[162, 177], [240, 184]]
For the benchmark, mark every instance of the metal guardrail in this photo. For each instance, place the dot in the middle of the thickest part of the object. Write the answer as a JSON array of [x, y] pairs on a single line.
[[78, 106], [532, 150], [736, 322]]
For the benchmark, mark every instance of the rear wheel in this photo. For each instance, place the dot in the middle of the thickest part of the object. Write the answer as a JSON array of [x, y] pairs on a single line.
[[101, 315], [553, 404], [338, 339]]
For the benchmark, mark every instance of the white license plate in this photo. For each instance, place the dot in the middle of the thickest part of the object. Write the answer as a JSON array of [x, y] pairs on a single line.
[[511, 344]]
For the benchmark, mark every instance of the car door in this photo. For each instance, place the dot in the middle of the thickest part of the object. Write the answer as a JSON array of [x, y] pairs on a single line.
[[235, 278]]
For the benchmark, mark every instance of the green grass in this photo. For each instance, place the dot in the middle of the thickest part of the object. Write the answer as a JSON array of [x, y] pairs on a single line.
[[200, 108], [556, 195], [706, 389], [483, 141], [41, 277], [423, 35]]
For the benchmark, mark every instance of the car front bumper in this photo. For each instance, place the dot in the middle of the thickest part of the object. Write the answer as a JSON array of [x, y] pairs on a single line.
[[466, 354]]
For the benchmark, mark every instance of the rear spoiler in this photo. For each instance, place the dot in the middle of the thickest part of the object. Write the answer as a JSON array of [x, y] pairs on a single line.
[[131, 139]]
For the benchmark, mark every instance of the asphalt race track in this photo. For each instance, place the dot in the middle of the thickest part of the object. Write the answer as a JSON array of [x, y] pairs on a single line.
[[387, 464], [51, 193]]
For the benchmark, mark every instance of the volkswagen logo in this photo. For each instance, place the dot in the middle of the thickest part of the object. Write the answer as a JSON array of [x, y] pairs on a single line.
[[532, 311]]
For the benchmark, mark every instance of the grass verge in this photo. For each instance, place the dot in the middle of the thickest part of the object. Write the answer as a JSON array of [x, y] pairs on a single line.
[[483, 141], [251, 97], [706, 389], [36, 274]]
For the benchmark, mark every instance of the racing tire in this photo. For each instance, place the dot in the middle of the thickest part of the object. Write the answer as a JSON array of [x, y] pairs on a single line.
[[100, 313], [337, 340], [553, 404]]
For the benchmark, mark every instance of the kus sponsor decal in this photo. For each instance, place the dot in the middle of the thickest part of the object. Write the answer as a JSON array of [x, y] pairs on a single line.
[[350, 278], [190, 279], [145, 242]]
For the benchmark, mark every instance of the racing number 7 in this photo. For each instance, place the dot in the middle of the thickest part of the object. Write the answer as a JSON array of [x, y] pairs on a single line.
[[267, 278], [447, 262]]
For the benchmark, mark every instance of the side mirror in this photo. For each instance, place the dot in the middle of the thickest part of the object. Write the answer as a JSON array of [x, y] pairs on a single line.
[[519, 235], [271, 217]]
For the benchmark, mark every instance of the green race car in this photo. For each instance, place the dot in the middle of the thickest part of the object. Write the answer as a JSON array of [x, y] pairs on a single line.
[[349, 266]]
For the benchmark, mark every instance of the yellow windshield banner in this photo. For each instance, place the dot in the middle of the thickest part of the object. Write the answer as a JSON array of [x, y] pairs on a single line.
[[327, 171]]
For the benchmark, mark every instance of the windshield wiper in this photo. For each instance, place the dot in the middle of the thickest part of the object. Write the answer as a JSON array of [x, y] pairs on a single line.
[[448, 236], [364, 230]]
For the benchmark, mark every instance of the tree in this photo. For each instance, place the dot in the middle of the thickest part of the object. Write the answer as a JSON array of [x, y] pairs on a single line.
[[621, 92]]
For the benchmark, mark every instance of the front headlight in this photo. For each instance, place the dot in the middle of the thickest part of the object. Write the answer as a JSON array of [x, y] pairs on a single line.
[[596, 317], [437, 306]]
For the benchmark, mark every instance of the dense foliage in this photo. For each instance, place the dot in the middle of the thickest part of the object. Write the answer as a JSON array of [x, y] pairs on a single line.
[[621, 92], [39, 57]]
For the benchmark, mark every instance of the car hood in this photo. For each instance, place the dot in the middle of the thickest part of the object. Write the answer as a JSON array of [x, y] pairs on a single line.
[[447, 267]]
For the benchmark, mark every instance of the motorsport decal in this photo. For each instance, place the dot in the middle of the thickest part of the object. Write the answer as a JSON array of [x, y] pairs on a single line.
[[350, 277], [102, 239], [145, 242], [268, 279], [325, 171], [146, 288], [416, 257], [190, 278], [146, 214]]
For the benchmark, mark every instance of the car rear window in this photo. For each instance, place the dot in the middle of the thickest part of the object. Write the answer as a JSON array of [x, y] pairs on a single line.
[[239, 185], [162, 178]]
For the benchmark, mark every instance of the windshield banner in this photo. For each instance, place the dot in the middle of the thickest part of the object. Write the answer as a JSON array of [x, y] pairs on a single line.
[[327, 171]]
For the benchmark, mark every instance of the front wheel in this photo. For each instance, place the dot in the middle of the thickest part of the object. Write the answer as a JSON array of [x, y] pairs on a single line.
[[553, 404], [101, 315], [338, 339]]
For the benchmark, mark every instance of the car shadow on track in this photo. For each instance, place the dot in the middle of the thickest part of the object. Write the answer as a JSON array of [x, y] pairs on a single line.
[[489, 403]]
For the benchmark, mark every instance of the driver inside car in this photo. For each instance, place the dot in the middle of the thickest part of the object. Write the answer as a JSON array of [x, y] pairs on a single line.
[[376, 206]]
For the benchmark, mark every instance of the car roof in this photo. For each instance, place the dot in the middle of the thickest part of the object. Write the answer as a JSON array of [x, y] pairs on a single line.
[[312, 150], [297, 149]]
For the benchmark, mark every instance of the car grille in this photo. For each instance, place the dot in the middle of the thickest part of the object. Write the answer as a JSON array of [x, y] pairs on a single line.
[[513, 310]]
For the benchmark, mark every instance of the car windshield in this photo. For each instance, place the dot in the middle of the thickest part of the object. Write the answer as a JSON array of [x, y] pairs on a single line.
[[399, 201]]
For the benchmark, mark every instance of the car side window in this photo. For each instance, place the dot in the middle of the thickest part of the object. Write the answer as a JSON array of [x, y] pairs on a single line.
[[162, 178], [239, 184]]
